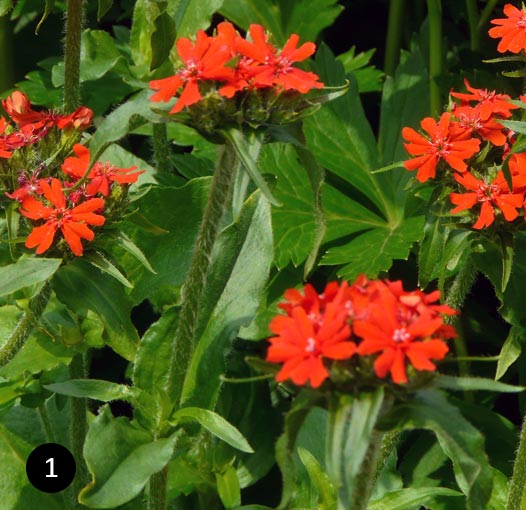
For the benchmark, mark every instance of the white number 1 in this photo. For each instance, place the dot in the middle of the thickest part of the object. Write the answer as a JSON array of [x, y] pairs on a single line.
[[52, 474]]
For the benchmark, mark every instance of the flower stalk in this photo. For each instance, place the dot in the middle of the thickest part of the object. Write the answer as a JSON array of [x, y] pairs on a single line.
[[74, 18], [518, 478], [434, 11], [394, 35]]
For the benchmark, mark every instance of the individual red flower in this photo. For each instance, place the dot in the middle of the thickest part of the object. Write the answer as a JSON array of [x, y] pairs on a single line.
[[302, 343], [29, 185], [497, 194], [511, 30], [517, 166], [269, 68], [488, 129], [80, 119], [447, 141], [203, 60], [489, 102], [398, 337], [72, 221], [101, 176], [18, 107]]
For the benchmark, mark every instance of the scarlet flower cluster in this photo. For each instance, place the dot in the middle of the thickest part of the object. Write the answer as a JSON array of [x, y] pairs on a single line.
[[456, 139], [44, 201], [362, 319], [27, 126], [228, 63]]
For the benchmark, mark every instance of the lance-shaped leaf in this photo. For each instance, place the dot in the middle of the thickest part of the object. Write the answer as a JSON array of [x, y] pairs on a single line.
[[105, 391], [412, 498], [25, 272], [511, 350], [474, 384]]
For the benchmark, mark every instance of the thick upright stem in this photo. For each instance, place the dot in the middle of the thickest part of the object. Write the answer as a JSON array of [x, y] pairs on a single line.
[[473, 18], [161, 148], [157, 490], [74, 18], [434, 13], [25, 325], [394, 34], [79, 426], [518, 478], [184, 341]]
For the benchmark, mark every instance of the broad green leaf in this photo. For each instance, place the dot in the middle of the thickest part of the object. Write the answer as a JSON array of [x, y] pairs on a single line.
[[104, 391], [144, 14], [474, 384], [102, 263], [283, 18], [511, 350], [215, 424], [326, 490], [163, 39], [228, 488], [178, 212], [381, 246], [192, 15], [460, 440], [82, 287], [411, 498], [25, 272], [232, 295], [121, 458]]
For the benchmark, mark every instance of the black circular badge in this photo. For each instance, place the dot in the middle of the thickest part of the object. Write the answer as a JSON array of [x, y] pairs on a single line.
[[50, 467]]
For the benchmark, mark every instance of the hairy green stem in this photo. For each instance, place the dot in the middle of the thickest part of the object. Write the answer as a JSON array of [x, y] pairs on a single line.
[[434, 13], [473, 19], [46, 423], [79, 426], [157, 490], [74, 18], [457, 293], [29, 319], [518, 478], [184, 341], [7, 72], [394, 36], [161, 148]]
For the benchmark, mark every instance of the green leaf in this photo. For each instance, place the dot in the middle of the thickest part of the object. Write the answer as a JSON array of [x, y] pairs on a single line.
[[519, 126], [474, 384], [511, 350], [5, 6], [144, 14], [104, 391], [368, 77], [459, 440], [128, 245], [192, 15], [101, 262], [163, 39], [411, 498], [47, 12], [228, 488], [233, 292], [283, 18], [327, 497], [26, 272], [507, 248], [215, 424], [382, 246], [82, 287], [121, 459], [103, 7]]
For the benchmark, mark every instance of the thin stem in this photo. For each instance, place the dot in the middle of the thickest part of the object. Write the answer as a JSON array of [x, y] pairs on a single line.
[[184, 341], [74, 18], [434, 12], [25, 325], [161, 148], [486, 13], [79, 426], [518, 478], [394, 36], [473, 19], [157, 490]]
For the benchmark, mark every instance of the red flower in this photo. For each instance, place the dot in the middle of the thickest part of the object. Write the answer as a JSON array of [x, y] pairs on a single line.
[[101, 175], [489, 102], [448, 141], [303, 342], [512, 30], [18, 107], [29, 185], [497, 194], [488, 129], [80, 119], [268, 68], [204, 60], [398, 337], [72, 222]]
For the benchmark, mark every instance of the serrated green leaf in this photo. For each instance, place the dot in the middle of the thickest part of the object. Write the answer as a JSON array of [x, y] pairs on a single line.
[[511, 350], [26, 272], [382, 246], [368, 77], [215, 424], [474, 384], [163, 39], [228, 488], [102, 263], [121, 459], [411, 498], [105, 391]]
